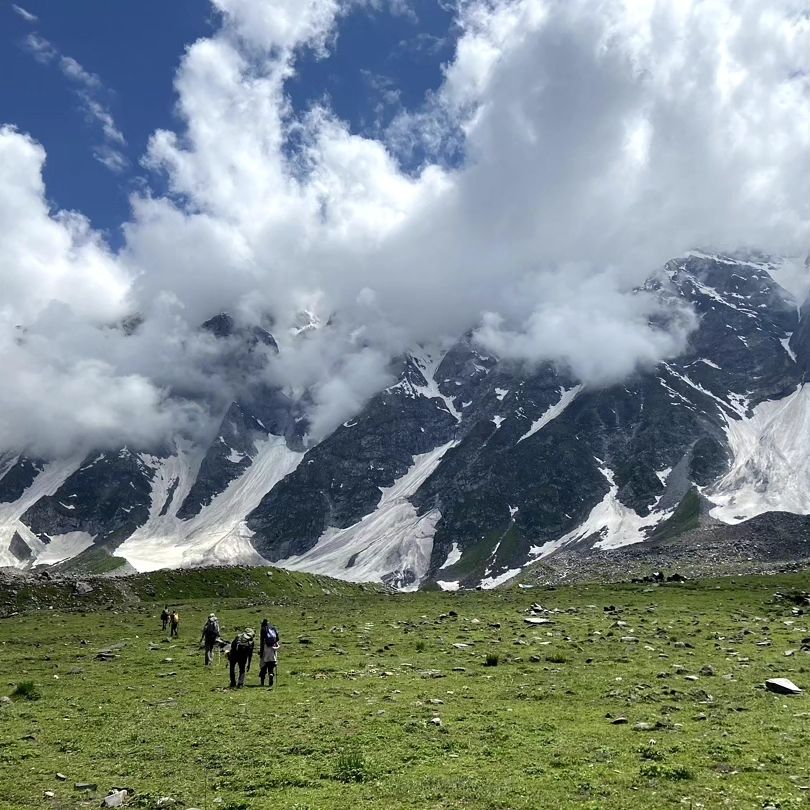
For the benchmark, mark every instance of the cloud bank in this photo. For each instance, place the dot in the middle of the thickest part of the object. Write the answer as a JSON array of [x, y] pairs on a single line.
[[595, 145]]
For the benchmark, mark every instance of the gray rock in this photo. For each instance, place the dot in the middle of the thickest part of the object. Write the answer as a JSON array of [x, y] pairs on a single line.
[[115, 799], [782, 686]]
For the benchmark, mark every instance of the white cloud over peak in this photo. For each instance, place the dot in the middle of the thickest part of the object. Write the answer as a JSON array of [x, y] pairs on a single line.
[[597, 143]]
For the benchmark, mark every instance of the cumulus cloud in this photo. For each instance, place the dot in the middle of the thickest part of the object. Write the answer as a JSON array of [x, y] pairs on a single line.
[[569, 152], [90, 92]]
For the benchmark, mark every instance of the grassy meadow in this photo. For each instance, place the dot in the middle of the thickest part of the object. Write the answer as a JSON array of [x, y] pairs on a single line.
[[425, 700]]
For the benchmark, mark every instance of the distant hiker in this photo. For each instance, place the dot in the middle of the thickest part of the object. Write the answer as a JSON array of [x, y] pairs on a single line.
[[174, 621], [210, 636], [269, 642], [164, 617], [240, 655]]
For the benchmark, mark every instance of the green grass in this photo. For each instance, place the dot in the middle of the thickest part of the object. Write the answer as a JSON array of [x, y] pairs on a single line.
[[381, 710]]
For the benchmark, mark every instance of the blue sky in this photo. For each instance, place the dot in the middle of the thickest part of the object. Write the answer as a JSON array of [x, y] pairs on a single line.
[[380, 63]]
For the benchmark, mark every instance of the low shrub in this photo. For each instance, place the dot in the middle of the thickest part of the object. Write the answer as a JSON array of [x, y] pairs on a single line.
[[27, 690]]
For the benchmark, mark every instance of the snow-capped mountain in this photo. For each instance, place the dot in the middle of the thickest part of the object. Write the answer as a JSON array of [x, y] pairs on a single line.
[[467, 469]]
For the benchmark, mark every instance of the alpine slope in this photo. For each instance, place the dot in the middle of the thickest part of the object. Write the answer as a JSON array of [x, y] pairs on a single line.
[[467, 469]]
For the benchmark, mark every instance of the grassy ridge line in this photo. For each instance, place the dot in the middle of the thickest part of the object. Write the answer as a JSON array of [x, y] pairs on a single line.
[[26, 593]]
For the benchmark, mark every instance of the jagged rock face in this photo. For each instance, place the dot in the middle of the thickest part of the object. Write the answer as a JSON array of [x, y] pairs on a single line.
[[503, 489], [107, 497], [234, 449], [468, 468], [16, 475], [339, 481]]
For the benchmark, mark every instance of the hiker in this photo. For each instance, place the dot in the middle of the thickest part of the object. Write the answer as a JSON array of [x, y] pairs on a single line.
[[240, 655], [269, 642], [164, 617], [210, 636], [174, 621]]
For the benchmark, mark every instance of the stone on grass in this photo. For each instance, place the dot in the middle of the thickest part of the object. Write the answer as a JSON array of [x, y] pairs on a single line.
[[643, 726], [115, 799], [85, 786], [61, 777], [537, 620], [619, 721], [782, 686], [436, 721]]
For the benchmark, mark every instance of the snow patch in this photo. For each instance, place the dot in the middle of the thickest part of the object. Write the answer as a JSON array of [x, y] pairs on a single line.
[[448, 586], [453, 557], [64, 547], [616, 524], [786, 346], [771, 466], [217, 534], [46, 483], [428, 364], [492, 582], [498, 421], [662, 475], [567, 396], [393, 539], [501, 393]]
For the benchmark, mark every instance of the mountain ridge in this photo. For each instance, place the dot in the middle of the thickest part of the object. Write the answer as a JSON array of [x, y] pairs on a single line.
[[467, 469]]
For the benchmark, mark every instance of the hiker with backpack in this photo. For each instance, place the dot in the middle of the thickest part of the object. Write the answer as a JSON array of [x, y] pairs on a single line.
[[174, 624], [269, 642], [210, 636], [164, 617], [241, 654]]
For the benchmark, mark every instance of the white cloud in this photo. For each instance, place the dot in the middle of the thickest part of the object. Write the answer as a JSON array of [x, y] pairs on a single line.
[[89, 89], [596, 144], [26, 15]]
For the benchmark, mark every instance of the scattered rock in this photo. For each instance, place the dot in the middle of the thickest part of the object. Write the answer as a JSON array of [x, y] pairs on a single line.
[[619, 721], [436, 721], [708, 670], [83, 588], [86, 786], [782, 686], [116, 798], [61, 777], [629, 640], [644, 727], [537, 620]]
